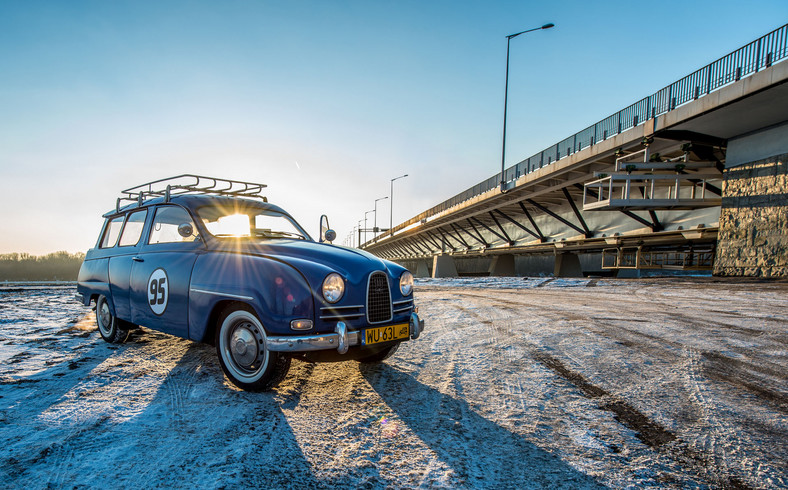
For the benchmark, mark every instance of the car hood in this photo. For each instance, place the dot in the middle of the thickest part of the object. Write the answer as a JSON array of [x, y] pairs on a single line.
[[347, 261]]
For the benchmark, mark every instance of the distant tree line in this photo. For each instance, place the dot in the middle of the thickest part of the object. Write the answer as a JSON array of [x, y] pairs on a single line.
[[57, 266]]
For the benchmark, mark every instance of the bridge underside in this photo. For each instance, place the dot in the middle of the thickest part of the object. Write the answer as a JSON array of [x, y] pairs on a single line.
[[544, 212]]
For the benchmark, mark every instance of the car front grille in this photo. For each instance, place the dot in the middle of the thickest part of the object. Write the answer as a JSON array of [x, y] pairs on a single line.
[[378, 298]]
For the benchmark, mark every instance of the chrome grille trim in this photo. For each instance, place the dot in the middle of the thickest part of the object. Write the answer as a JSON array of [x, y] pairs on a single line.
[[341, 312], [402, 306], [350, 316], [378, 298]]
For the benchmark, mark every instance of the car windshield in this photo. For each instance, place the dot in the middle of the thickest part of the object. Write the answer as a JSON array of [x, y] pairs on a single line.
[[237, 222]]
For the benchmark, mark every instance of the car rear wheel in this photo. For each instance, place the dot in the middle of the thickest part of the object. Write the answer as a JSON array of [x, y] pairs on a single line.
[[109, 326], [380, 356], [241, 345]]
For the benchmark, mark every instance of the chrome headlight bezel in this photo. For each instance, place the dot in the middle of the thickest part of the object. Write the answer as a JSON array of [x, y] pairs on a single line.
[[333, 287], [406, 283]]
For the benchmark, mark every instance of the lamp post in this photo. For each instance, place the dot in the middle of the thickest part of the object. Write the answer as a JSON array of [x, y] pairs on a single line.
[[375, 226], [359, 234], [365, 223], [391, 202], [506, 96]]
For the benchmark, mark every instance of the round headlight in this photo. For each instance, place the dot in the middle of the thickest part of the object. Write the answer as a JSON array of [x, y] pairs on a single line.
[[333, 287], [406, 283]]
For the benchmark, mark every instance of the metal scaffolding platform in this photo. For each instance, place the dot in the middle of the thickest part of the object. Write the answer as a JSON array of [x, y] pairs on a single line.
[[629, 191], [640, 258]]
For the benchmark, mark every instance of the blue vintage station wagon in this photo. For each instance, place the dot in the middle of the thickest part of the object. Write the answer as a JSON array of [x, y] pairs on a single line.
[[211, 260]]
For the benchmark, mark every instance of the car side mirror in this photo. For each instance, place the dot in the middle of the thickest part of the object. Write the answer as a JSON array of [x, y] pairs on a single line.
[[185, 230], [326, 233]]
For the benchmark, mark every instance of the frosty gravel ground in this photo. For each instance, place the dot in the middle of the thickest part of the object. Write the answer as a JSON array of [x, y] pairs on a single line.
[[515, 383]]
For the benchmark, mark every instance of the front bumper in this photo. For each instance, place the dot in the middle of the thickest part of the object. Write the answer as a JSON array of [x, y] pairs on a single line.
[[341, 339]]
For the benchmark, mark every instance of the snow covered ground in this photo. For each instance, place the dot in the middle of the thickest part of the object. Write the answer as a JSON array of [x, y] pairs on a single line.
[[515, 383]]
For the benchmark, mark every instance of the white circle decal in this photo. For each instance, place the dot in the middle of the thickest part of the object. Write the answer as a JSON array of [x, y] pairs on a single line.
[[158, 291]]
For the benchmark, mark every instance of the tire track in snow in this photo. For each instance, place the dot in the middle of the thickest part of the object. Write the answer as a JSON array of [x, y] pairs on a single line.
[[736, 372], [648, 431]]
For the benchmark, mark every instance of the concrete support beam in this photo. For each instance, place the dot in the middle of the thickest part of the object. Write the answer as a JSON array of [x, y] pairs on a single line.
[[422, 270], [443, 266], [502, 265], [567, 265], [757, 146]]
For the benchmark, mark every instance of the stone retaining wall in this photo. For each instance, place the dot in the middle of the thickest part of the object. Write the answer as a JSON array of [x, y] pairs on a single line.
[[753, 236]]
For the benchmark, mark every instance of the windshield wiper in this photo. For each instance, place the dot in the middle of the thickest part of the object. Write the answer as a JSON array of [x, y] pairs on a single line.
[[278, 234]]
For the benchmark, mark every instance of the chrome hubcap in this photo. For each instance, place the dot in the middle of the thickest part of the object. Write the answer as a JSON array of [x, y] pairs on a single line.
[[104, 317], [242, 347], [245, 343]]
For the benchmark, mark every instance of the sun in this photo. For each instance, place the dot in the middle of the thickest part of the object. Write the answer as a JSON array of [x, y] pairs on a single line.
[[232, 225]]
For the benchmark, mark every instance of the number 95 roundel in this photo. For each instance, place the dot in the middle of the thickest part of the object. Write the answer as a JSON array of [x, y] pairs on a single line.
[[158, 291]]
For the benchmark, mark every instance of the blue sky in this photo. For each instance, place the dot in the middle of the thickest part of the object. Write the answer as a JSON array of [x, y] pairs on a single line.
[[323, 101]]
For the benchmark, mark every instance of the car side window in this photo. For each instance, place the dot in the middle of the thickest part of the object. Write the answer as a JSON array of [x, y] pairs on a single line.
[[165, 225], [133, 229], [111, 232]]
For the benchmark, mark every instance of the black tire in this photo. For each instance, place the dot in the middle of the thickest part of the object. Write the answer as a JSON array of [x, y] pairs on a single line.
[[112, 329], [380, 356], [241, 347]]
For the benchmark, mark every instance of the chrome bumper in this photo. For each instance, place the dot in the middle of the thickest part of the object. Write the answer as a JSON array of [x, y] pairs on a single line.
[[341, 339]]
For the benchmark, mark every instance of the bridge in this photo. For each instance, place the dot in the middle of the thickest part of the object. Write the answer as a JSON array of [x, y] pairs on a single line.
[[664, 183]]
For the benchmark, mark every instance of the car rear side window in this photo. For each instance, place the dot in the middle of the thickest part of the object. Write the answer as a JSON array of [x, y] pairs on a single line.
[[165, 225], [133, 229], [111, 232]]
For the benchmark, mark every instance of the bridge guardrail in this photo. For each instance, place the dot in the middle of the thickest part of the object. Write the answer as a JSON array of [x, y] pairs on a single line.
[[750, 58]]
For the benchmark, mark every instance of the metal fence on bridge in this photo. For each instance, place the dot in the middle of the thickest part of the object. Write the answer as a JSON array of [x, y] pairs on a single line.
[[749, 59]]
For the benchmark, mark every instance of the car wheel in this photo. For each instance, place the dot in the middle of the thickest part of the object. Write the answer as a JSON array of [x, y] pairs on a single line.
[[110, 327], [243, 354], [380, 356]]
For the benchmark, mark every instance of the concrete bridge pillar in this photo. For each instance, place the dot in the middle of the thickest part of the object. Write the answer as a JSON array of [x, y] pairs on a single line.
[[502, 265], [422, 270], [567, 265], [443, 266]]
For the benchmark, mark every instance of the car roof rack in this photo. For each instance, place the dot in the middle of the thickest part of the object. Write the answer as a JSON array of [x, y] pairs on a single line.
[[191, 185]]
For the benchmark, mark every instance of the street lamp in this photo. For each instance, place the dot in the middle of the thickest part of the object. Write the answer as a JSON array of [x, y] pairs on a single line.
[[359, 234], [375, 226], [365, 224], [391, 202], [506, 96]]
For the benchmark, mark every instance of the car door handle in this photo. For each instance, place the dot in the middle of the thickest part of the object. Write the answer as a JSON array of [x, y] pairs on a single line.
[[138, 259]]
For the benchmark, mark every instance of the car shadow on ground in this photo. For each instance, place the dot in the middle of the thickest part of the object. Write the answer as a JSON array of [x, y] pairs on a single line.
[[33, 395], [201, 431], [480, 452], [190, 427]]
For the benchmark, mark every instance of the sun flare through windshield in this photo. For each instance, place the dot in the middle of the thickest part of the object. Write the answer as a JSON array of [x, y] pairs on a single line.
[[250, 223]]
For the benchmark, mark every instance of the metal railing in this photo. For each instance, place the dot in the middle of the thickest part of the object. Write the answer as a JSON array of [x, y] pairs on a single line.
[[749, 59]]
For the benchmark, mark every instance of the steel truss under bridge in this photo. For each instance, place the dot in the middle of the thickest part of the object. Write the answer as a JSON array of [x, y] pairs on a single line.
[[546, 212]]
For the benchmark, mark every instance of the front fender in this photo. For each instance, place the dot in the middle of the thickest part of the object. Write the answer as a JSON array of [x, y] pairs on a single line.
[[276, 291]]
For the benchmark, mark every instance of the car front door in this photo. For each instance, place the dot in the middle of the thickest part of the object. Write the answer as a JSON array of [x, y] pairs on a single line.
[[161, 273], [121, 263]]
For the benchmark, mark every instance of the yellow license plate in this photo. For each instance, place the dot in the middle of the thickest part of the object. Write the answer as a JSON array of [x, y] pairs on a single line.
[[388, 333]]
